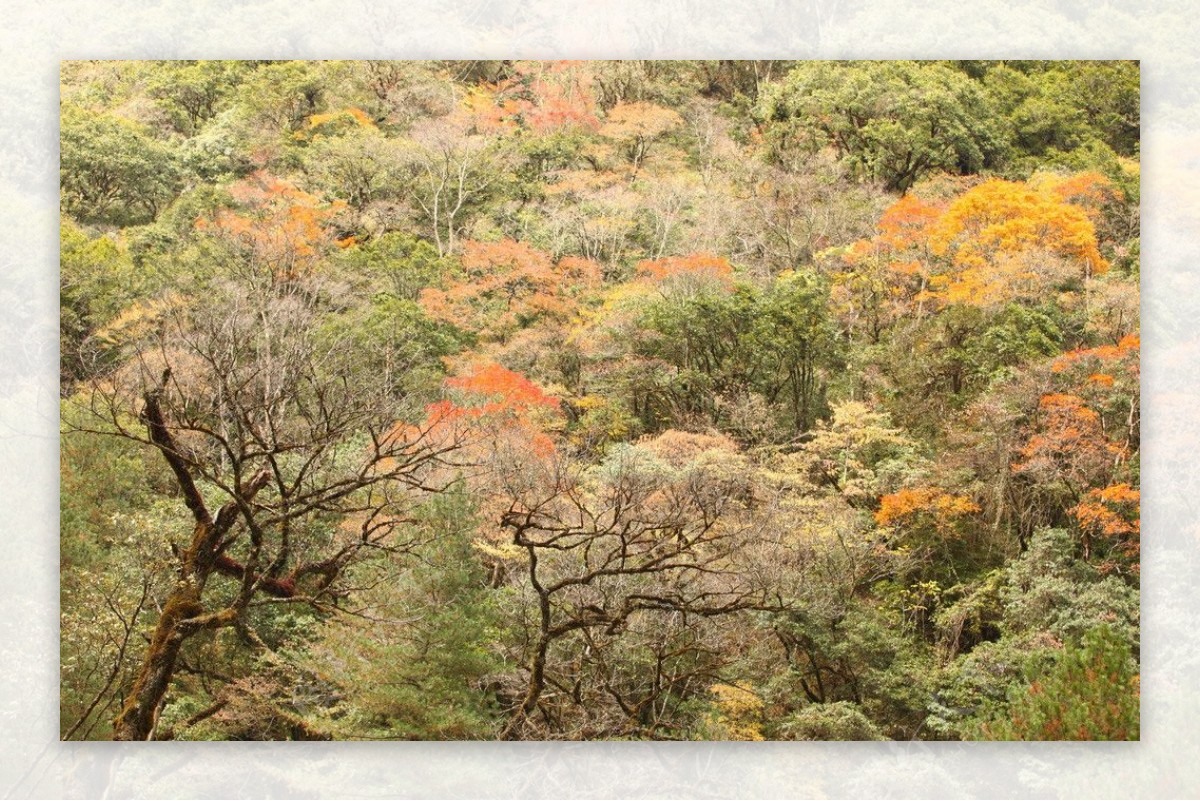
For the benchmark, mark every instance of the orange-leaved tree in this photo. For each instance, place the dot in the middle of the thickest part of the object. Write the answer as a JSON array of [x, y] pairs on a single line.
[[879, 280], [937, 530], [501, 424], [1108, 378], [995, 242], [924, 509], [695, 264], [1068, 448], [490, 409], [1109, 517], [1077, 455], [1003, 239], [276, 225]]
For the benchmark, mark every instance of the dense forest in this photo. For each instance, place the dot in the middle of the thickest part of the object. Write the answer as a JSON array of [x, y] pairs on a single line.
[[730, 400]]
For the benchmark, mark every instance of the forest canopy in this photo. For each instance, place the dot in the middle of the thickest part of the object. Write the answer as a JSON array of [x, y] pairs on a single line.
[[654, 400]]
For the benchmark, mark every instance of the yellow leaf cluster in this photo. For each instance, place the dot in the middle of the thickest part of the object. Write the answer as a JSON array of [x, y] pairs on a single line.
[[738, 714]]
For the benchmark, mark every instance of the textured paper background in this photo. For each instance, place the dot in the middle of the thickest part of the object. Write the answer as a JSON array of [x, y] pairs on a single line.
[[34, 36]]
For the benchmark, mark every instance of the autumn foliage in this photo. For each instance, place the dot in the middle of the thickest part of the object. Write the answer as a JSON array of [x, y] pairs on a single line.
[[1012, 218], [336, 122], [1069, 444], [489, 400], [508, 285], [908, 224], [698, 264], [1123, 355], [995, 242], [280, 226], [924, 506], [600, 400], [501, 388], [1110, 516]]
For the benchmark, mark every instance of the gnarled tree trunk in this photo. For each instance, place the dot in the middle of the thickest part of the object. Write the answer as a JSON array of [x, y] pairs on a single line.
[[183, 614]]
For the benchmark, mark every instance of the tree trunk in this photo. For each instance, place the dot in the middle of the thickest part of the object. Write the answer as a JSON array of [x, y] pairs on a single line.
[[537, 666], [183, 614], [139, 715]]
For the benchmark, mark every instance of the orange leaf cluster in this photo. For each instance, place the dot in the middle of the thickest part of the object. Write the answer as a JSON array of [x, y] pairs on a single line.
[[907, 505], [1010, 217], [1070, 442], [1090, 191], [1111, 513], [492, 403], [508, 403], [1128, 346], [334, 122], [908, 223], [1107, 376], [503, 388], [1099, 510], [996, 241], [659, 270], [1005, 277]]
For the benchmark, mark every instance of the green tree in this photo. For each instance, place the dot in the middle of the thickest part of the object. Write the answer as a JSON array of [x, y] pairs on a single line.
[[1009, 628], [793, 330], [398, 264], [279, 96], [361, 166], [1090, 693], [111, 170], [836, 720], [894, 121], [727, 341], [1050, 589], [190, 92], [1062, 106], [97, 281], [415, 663]]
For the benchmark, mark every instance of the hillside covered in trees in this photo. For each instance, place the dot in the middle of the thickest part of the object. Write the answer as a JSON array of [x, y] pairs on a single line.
[[600, 400]]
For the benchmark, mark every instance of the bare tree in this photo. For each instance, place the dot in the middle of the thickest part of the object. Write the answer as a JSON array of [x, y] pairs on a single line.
[[290, 459], [792, 214], [452, 171], [646, 536]]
